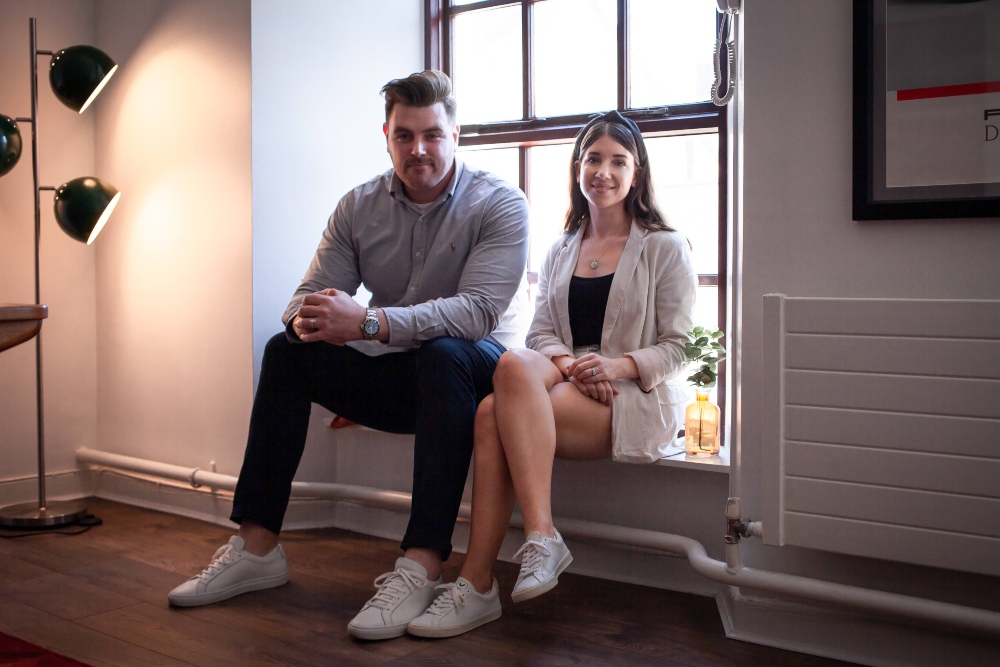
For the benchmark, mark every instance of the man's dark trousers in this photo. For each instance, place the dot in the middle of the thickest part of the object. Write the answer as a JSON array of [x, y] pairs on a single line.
[[432, 392]]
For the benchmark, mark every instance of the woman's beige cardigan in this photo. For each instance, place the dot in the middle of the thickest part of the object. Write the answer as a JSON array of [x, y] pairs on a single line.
[[648, 314]]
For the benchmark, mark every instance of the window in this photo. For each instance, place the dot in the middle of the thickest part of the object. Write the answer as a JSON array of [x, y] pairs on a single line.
[[529, 74]]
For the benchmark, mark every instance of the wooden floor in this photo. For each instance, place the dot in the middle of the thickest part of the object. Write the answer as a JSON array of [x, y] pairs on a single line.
[[100, 597]]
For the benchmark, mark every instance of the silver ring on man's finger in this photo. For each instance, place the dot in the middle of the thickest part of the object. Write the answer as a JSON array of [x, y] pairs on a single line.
[[312, 322], [593, 371]]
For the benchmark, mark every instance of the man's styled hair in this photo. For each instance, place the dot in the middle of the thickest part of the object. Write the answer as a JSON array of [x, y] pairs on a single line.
[[420, 89]]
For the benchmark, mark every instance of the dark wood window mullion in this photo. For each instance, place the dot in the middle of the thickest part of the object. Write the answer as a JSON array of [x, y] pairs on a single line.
[[447, 47], [623, 68], [527, 64], [524, 178], [432, 34]]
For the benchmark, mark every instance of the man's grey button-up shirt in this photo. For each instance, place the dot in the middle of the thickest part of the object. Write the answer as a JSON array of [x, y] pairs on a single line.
[[448, 269]]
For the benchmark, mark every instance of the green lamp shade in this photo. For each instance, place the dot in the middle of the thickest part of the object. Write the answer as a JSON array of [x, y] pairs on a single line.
[[10, 144], [78, 74], [84, 205]]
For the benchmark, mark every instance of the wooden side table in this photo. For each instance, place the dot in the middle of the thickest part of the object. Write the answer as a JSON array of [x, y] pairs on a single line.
[[20, 323]]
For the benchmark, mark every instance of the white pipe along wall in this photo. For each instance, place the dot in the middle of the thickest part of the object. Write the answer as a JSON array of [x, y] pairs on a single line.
[[956, 617]]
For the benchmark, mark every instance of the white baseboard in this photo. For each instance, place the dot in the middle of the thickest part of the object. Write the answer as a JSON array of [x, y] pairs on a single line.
[[164, 496], [848, 635], [834, 633], [65, 485]]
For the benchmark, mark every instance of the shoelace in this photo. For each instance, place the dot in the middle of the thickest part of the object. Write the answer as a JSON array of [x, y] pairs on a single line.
[[452, 596], [393, 585], [223, 556], [530, 553]]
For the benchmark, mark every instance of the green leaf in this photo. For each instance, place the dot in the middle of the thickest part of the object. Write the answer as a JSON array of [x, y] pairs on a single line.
[[701, 342], [717, 334], [698, 331]]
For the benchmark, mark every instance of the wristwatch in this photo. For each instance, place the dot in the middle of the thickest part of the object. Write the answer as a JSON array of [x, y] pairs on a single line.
[[369, 328]]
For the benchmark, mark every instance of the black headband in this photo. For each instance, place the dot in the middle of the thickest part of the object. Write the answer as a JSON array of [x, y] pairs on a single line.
[[613, 117]]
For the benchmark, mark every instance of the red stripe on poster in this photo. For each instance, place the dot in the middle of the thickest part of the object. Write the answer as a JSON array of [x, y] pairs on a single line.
[[948, 91]]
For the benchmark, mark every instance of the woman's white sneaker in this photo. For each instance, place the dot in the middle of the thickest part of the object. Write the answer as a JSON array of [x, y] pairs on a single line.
[[542, 561], [403, 594], [232, 571], [459, 609]]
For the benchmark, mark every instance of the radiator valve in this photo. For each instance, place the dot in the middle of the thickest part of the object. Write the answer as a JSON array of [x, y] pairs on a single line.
[[736, 526]]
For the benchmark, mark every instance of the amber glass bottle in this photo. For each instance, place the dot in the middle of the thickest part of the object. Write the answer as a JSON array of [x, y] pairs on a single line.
[[701, 426]]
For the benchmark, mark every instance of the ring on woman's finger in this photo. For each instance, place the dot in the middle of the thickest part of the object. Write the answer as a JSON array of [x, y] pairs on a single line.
[[593, 371], [312, 322]]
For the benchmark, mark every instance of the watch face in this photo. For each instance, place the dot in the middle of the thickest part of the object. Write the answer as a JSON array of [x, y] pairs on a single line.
[[371, 327]]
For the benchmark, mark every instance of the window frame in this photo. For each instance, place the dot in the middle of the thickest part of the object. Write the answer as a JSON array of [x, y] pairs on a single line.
[[528, 131]]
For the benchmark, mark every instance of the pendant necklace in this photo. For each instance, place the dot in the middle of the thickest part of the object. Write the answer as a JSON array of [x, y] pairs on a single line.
[[593, 262]]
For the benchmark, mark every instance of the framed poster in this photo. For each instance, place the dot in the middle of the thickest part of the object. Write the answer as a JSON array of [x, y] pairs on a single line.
[[926, 109]]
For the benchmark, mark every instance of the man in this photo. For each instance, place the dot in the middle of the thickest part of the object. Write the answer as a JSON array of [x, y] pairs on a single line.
[[442, 248]]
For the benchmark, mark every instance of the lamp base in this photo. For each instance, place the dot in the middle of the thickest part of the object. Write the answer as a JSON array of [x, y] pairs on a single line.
[[29, 515]]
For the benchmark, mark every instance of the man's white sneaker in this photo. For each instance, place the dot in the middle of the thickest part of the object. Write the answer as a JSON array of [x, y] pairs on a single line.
[[542, 561], [403, 594], [459, 609], [232, 571]]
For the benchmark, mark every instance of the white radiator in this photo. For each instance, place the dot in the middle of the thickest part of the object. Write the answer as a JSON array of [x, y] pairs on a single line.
[[882, 429]]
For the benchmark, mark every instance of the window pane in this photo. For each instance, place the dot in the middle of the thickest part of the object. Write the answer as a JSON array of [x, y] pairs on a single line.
[[671, 45], [487, 65], [548, 194], [575, 56], [503, 162], [706, 314], [685, 173], [706, 307]]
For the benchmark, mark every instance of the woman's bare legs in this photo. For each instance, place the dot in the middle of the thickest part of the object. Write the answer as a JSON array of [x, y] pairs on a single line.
[[539, 417], [548, 418], [492, 500]]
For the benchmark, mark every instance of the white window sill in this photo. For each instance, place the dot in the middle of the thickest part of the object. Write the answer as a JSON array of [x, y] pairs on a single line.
[[676, 458], [680, 459]]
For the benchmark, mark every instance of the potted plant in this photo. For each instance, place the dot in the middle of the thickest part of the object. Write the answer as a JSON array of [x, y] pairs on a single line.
[[701, 422]]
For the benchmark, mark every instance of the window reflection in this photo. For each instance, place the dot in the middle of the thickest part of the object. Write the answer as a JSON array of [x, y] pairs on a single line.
[[575, 56], [671, 43], [686, 182], [503, 162], [487, 70]]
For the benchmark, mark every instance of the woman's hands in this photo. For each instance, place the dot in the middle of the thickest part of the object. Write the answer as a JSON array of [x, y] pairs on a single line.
[[591, 368], [592, 374]]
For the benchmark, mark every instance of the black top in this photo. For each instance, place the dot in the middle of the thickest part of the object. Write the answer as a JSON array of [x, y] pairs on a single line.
[[588, 299]]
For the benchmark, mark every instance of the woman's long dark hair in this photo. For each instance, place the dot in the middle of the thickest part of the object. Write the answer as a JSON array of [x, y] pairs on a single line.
[[640, 203]]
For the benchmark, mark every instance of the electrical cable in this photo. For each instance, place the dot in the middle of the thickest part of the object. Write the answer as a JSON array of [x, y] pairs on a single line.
[[86, 522]]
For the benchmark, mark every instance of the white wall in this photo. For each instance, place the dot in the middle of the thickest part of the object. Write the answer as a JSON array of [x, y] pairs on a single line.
[[318, 67], [799, 239], [174, 264], [66, 151]]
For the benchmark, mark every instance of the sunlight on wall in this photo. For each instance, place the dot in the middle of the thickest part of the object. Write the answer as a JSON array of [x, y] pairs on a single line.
[[174, 274]]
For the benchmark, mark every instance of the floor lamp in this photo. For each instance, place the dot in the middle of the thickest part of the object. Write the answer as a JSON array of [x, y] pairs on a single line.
[[82, 207]]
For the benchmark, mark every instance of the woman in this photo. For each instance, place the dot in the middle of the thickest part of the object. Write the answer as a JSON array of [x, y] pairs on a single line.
[[615, 297]]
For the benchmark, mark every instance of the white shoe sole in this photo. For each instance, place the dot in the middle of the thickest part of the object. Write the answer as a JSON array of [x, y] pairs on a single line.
[[438, 632], [544, 587], [259, 584], [390, 632]]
